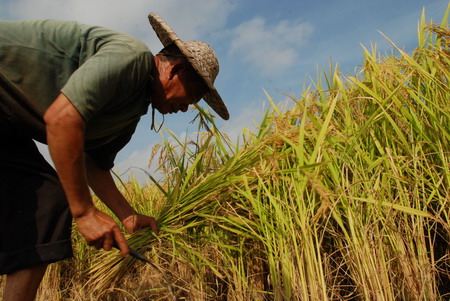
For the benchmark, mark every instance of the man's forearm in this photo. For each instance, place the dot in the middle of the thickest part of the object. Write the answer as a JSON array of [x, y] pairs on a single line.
[[65, 139], [69, 164], [103, 185]]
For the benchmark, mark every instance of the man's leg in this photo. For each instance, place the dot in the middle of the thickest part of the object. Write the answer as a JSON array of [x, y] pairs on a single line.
[[35, 222], [22, 285]]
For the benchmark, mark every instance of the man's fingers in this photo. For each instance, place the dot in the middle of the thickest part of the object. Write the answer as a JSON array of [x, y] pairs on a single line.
[[151, 223], [101, 231], [139, 221], [154, 226], [121, 242]]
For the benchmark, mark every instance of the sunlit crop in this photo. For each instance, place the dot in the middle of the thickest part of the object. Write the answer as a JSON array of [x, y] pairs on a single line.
[[341, 194]]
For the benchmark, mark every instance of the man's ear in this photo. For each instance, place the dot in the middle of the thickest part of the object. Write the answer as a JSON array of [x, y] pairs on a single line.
[[177, 67]]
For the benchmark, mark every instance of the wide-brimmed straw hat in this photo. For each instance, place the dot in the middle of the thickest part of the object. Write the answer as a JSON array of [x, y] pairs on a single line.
[[200, 56]]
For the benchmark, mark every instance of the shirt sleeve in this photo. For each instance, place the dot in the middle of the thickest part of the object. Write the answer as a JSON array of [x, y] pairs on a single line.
[[102, 78]]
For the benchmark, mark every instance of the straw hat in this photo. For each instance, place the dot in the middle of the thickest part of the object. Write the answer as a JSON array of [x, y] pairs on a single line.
[[200, 56]]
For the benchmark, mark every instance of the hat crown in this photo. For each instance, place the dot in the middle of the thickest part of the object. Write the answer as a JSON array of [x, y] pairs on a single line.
[[204, 58]]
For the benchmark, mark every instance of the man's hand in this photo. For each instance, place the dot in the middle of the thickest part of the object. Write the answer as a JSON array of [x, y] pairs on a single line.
[[137, 221], [102, 183], [101, 231]]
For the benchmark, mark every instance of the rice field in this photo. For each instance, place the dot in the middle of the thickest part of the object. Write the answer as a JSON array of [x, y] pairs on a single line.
[[341, 193]]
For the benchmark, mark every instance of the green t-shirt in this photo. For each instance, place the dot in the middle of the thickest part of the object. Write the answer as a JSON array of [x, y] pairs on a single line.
[[105, 74]]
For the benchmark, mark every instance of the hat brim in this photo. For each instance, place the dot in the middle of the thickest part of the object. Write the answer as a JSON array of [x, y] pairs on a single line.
[[167, 37]]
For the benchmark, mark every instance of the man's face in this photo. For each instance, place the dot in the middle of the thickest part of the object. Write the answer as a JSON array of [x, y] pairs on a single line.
[[177, 91], [176, 98]]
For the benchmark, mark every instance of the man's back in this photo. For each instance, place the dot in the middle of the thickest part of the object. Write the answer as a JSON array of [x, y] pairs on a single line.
[[104, 73]]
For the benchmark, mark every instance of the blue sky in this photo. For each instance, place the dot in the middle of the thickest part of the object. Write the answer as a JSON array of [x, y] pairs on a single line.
[[261, 44]]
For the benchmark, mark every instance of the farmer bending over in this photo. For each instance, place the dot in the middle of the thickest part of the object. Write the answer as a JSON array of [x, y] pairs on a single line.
[[81, 90]]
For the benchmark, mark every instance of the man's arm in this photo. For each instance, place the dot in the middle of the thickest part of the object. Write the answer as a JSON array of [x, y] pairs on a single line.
[[102, 183], [65, 139]]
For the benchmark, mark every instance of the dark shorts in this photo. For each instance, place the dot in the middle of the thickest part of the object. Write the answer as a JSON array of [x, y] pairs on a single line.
[[35, 221]]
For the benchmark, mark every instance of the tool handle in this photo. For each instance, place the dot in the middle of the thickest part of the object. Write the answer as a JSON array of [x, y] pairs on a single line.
[[133, 253]]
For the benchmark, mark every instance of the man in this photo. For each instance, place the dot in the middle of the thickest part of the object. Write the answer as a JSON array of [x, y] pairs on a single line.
[[81, 90]]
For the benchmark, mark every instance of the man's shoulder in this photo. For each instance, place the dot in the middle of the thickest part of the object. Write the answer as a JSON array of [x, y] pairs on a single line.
[[103, 35]]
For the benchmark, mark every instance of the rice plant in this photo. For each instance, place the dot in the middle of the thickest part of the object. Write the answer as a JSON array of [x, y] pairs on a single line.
[[341, 195]]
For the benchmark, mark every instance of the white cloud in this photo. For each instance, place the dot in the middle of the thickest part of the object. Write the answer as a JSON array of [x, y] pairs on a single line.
[[136, 165], [272, 49], [249, 117]]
